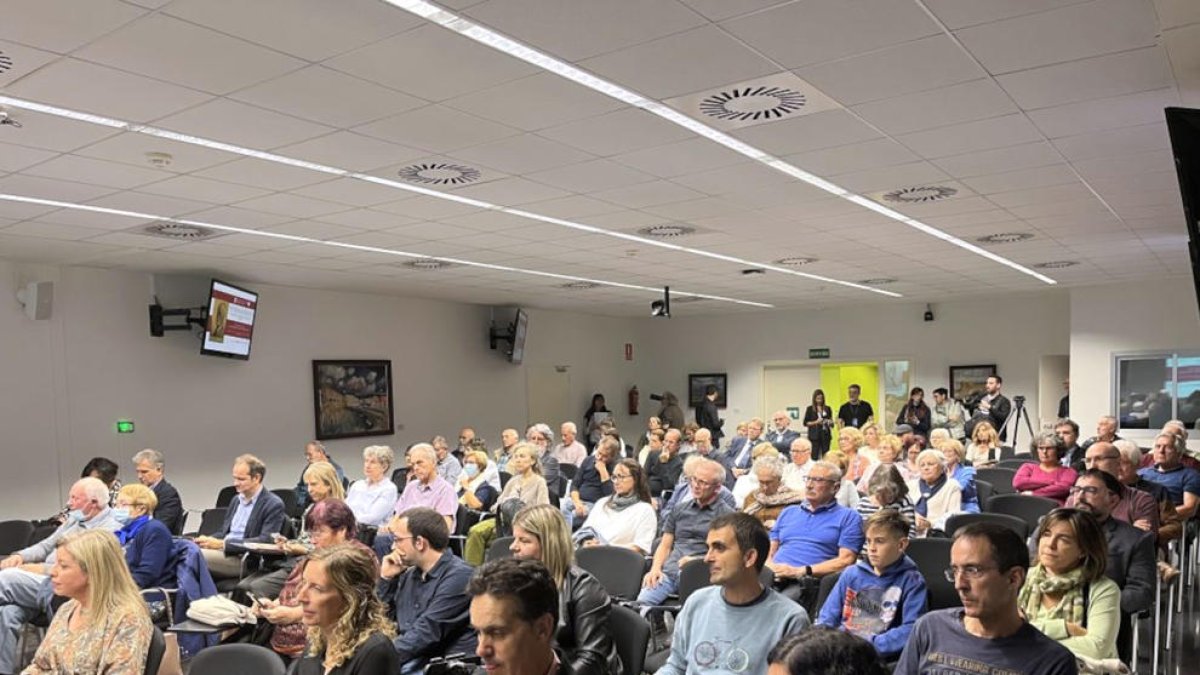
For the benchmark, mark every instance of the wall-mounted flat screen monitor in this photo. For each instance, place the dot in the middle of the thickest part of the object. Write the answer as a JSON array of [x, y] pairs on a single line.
[[520, 329], [229, 327]]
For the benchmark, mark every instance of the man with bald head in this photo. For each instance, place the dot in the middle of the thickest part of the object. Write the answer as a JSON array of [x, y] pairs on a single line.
[[781, 434], [24, 576], [508, 441], [1106, 430]]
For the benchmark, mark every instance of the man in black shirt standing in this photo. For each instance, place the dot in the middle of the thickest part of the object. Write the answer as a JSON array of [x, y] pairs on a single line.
[[708, 417], [994, 406], [855, 412]]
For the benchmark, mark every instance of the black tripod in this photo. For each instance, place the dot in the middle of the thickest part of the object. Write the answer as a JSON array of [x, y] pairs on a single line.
[[1018, 413]]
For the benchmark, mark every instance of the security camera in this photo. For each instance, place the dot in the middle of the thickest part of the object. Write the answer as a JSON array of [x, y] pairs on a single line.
[[662, 308], [929, 312]]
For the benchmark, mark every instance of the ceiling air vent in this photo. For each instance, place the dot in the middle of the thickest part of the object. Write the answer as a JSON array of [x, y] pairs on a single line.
[[439, 173], [1005, 238], [580, 285], [1055, 265], [878, 281], [428, 264], [667, 231], [920, 194], [177, 231], [795, 261], [752, 104], [6, 62]]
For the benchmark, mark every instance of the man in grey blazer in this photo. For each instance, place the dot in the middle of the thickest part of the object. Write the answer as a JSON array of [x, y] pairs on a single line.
[[254, 516]]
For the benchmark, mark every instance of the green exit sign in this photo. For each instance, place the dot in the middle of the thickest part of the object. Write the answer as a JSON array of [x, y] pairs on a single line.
[[124, 426], [822, 353]]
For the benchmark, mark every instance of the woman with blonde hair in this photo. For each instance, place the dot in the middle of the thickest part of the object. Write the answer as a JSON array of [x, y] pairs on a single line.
[[104, 627], [872, 437], [146, 541], [474, 490], [984, 449], [849, 441], [952, 451], [541, 533], [526, 487], [888, 454], [349, 632]]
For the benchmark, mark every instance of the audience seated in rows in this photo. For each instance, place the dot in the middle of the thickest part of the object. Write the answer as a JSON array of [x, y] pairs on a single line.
[[748, 482], [1106, 430], [985, 448], [514, 609], [150, 465], [872, 435], [527, 487], [1131, 561], [663, 464], [824, 651], [888, 455], [373, 497], [683, 493], [314, 451], [1072, 454], [508, 441], [426, 487], [741, 449], [781, 434], [255, 516], [103, 469], [627, 517]]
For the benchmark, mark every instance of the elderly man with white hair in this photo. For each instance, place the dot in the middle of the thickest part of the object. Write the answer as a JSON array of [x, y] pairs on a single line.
[[426, 487], [150, 466], [569, 450], [24, 576]]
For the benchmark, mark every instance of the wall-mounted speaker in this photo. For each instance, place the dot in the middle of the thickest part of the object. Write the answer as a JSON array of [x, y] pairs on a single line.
[[38, 299]]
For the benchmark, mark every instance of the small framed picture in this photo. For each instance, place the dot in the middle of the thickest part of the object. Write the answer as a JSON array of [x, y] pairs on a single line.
[[697, 383], [967, 381], [352, 398]]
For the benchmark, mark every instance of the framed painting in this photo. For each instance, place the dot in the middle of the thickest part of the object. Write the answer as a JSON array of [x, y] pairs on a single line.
[[697, 383], [352, 398], [968, 381]]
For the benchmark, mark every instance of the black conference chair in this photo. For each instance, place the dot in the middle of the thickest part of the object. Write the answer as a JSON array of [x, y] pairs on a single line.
[[158, 649], [1028, 508], [400, 478], [618, 569], [291, 503], [40, 532], [827, 583], [1016, 462], [1001, 479], [983, 492], [225, 496], [211, 521], [1011, 522], [14, 536], [237, 659], [631, 636], [499, 549], [932, 557], [568, 471], [504, 478]]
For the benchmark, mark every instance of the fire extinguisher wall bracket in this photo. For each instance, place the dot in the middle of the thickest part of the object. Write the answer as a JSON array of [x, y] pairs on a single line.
[[633, 400]]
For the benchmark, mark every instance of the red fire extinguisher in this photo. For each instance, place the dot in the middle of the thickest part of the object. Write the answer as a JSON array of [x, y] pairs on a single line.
[[633, 400]]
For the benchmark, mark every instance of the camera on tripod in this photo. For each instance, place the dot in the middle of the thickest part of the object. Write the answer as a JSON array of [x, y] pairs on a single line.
[[454, 664], [656, 397], [1018, 401]]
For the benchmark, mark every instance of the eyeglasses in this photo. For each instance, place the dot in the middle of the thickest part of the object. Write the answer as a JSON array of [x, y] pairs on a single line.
[[703, 483], [1087, 490], [972, 572], [817, 479]]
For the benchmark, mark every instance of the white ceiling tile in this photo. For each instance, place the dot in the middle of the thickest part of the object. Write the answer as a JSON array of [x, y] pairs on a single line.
[[20, 60], [263, 174], [250, 241], [810, 132], [648, 194], [350, 192], [239, 217], [275, 257], [667, 67], [367, 219], [104, 91], [431, 63], [1054, 174], [425, 208], [589, 28], [1097, 77], [186, 54], [291, 204], [1125, 165], [46, 188], [45, 230], [975, 100], [972, 136], [697, 208], [576, 206], [617, 132], [1069, 33], [313, 229], [1058, 193], [853, 157], [36, 249], [327, 96], [1105, 113], [1123, 141], [351, 151], [1183, 49], [132, 240], [535, 102], [522, 154], [511, 191], [1000, 160], [799, 34], [676, 159], [936, 62], [232, 122], [131, 148], [890, 177], [96, 172], [17, 157], [193, 187], [63, 25], [142, 202], [594, 175], [960, 13], [309, 29], [436, 129], [53, 133], [105, 222], [729, 180]]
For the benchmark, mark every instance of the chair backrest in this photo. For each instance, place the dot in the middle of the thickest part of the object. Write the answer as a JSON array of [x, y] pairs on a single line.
[[568, 470], [158, 649], [983, 492], [1011, 522], [14, 535], [237, 659], [291, 503], [400, 478], [504, 478], [825, 588], [1026, 507], [932, 557], [1001, 479], [499, 549], [41, 532], [211, 521], [631, 636], [692, 578], [618, 569], [1016, 462], [225, 496]]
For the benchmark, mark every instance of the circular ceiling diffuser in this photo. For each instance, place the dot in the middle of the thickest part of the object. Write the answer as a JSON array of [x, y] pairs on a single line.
[[795, 261], [667, 231], [6, 62], [878, 281], [428, 264], [1056, 264], [178, 231], [580, 285], [753, 103], [921, 194], [439, 173], [1005, 238]]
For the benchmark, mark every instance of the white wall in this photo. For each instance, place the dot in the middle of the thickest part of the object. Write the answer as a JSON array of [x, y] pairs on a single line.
[[1012, 332], [1117, 318], [69, 379]]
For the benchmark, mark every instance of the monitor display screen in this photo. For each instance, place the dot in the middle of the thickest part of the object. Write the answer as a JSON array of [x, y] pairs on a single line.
[[520, 328], [229, 327]]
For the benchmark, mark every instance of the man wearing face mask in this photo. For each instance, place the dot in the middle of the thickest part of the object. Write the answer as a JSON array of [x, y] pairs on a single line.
[[915, 413], [24, 582]]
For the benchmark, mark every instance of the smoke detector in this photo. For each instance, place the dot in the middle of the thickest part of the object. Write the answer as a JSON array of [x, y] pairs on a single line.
[[428, 264], [1005, 238], [1055, 264], [667, 231], [176, 231], [159, 160]]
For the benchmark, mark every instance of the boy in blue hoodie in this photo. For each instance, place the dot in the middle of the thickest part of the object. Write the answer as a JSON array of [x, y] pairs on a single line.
[[880, 598]]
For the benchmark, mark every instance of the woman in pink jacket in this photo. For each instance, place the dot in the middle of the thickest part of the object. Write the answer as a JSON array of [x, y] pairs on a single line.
[[1047, 478]]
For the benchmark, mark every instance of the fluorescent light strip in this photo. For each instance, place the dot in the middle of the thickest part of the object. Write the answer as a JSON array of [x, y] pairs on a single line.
[[353, 175], [490, 38], [360, 247]]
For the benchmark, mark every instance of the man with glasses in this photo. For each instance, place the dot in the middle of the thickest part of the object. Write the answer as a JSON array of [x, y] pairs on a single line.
[[987, 634], [801, 462], [1134, 507], [1130, 551], [685, 531], [814, 538], [425, 589]]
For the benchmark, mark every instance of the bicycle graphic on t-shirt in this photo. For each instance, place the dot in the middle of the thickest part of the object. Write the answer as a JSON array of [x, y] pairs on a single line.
[[721, 654]]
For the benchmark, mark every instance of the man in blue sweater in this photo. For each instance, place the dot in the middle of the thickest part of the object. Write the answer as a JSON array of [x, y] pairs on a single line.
[[880, 598], [730, 627]]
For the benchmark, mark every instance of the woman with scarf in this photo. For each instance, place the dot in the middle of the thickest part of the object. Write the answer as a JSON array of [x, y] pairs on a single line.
[[476, 490], [626, 517], [771, 496], [147, 542], [940, 495], [1066, 595]]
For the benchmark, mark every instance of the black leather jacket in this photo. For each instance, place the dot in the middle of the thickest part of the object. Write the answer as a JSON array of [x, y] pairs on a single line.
[[583, 634]]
